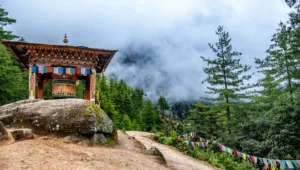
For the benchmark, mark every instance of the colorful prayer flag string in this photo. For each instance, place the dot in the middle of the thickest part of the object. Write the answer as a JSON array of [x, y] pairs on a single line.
[[284, 164]]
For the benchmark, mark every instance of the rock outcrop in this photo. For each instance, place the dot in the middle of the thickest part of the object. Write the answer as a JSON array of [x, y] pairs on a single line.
[[64, 115], [3, 133], [99, 139], [21, 133]]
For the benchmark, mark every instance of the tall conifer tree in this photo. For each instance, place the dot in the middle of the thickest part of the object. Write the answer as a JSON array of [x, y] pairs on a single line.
[[163, 104], [282, 62], [226, 75], [4, 21]]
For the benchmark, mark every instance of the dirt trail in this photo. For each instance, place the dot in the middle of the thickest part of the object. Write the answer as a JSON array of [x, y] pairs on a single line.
[[175, 159], [53, 153]]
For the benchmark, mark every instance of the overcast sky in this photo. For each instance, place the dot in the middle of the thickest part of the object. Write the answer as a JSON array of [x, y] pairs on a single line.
[[176, 33]]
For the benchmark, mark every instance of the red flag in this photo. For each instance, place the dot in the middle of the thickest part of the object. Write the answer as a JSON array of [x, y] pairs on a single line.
[[234, 153], [252, 158], [49, 69], [77, 70]]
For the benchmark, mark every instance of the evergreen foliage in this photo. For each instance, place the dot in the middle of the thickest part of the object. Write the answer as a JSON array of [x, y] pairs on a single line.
[[226, 75], [291, 3], [282, 62], [149, 116], [126, 123], [4, 21], [13, 81], [126, 106], [162, 104], [267, 125]]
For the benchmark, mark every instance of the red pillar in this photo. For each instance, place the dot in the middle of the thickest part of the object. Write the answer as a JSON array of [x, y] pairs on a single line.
[[87, 89], [40, 88]]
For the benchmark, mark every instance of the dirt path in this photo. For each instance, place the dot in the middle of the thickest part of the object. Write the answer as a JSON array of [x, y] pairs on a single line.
[[53, 153], [175, 159]]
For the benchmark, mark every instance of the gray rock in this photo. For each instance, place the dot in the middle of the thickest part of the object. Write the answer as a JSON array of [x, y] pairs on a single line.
[[99, 139], [21, 133], [155, 151], [63, 115], [3, 133]]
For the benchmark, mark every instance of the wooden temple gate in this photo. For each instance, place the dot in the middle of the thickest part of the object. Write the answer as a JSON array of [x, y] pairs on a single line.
[[63, 64]]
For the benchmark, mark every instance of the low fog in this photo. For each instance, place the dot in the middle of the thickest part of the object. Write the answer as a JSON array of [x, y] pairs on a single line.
[[159, 42]]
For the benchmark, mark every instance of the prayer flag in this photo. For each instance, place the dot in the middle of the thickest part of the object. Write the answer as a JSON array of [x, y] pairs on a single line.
[[45, 69], [260, 160], [248, 156], [41, 70], [244, 156], [274, 162], [224, 148], [289, 164], [55, 70], [34, 68], [83, 70], [234, 153], [229, 150], [50, 69], [282, 162], [252, 158], [295, 163], [255, 159]]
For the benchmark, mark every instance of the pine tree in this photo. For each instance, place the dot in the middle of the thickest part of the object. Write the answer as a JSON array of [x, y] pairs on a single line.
[[149, 116], [4, 21], [126, 123], [204, 120], [137, 98], [136, 125], [291, 3], [163, 104], [226, 75], [270, 92], [13, 81], [282, 62]]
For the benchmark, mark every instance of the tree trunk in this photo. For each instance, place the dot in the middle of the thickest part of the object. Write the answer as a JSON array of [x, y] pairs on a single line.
[[289, 80], [226, 96]]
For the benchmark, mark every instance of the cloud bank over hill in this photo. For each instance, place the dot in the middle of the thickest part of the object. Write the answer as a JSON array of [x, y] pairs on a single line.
[[159, 42]]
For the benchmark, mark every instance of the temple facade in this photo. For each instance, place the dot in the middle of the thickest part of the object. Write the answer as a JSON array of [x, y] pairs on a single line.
[[63, 64]]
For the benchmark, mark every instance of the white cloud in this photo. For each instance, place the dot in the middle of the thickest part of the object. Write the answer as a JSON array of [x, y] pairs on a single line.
[[178, 32]]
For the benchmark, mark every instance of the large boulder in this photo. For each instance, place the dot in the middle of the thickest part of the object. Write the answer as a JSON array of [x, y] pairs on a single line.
[[63, 115]]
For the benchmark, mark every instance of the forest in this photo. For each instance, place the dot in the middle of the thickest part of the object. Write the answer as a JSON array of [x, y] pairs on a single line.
[[261, 118]]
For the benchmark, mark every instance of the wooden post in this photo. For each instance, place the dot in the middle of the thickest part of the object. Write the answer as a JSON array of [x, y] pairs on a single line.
[[40, 87], [87, 88], [93, 85], [32, 81]]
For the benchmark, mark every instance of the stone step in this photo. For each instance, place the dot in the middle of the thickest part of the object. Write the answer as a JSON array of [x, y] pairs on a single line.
[[23, 133]]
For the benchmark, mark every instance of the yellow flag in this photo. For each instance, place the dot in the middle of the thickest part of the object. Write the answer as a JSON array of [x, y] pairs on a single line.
[[244, 156], [281, 167], [229, 150], [273, 167]]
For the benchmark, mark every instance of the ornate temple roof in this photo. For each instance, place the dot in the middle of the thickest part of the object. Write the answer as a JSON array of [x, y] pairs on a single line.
[[59, 55]]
